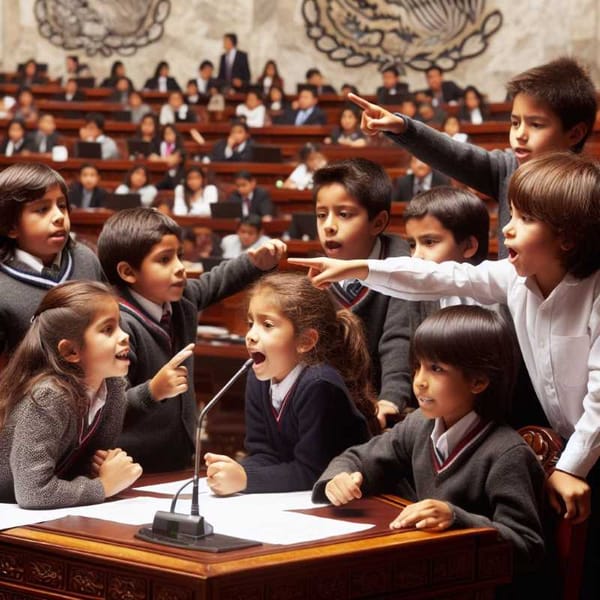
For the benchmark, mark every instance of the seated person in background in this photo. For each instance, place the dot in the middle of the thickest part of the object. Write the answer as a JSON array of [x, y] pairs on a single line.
[[237, 147], [122, 90], [161, 81], [409, 106], [171, 151], [205, 80], [255, 200], [451, 126], [311, 159], [45, 138], [137, 181], [117, 72], [420, 177], [307, 111], [74, 68], [208, 243], [429, 114], [252, 110], [473, 107], [86, 192], [348, 132], [277, 105], [192, 95], [71, 93], [176, 110], [93, 131], [249, 235], [438, 90], [137, 107], [269, 77], [24, 108], [455, 455], [148, 130], [30, 75], [393, 91], [16, 140], [348, 88], [315, 79], [193, 196]]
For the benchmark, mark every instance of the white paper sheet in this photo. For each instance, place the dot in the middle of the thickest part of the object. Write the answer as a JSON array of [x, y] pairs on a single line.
[[172, 487]]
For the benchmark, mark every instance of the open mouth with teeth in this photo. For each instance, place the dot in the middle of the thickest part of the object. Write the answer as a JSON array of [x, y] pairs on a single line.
[[331, 245], [257, 357], [512, 254], [123, 355]]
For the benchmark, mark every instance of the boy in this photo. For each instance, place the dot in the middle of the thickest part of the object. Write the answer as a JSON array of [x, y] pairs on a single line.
[[237, 147], [45, 138], [551, 285], [420, 179], [307, 111], [140, 250], [86, 192], [36, 249], [393, 91], [438, 90], [554, 108], [93, 131], [255, 200], [249, 235], [352, 207]]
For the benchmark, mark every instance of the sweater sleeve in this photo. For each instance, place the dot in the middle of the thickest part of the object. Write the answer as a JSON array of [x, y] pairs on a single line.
[[35, 453]]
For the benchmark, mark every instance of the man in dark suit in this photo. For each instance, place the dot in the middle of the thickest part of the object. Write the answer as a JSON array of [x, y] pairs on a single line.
[[45, 138], [420, 178], [71, 92], [254, 200], [308, 111], [315, 79], [393, 91], [439, 91], [86, 193], [205, 80], [234, 70], [237, 147]]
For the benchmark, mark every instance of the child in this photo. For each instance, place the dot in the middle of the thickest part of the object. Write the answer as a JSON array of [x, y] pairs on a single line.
[[140, 251], [62, 398], [176, 110], [551, 284], [473, 107], [45, 138], [451, 127], [554, 108], [93, 131], [137, 181], [36, 250], [352, 207], [237, 147], [348, 132], [170, 150], [311, 159], [252, 109], [465, 468], [193, 197], [87, 193], [308, 394], [16, 140], [249, 235], [255, 200], [419, 178]]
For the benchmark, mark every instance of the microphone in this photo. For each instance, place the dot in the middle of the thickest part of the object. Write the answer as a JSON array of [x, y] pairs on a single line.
[[192, 531]]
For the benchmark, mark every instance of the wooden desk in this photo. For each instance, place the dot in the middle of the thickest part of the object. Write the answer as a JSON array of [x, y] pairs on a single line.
[[80, 558]]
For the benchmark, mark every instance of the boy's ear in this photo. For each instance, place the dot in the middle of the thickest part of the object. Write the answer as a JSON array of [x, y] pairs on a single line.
[[471, 245], [577, 133], [565, 244], [126, 272], [69, 351], [479, 383], [307, 341], [380, 222]]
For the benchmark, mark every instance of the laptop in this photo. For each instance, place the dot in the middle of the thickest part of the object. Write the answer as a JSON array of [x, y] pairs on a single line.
[[86, 82], [266, 154], [304, 226], [138, 148], [120, 115], [88, 149], [226, 210], [121, 201]]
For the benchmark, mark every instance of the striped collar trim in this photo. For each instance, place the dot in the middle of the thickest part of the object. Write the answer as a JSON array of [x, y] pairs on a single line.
[[39, 280], [145, 319]]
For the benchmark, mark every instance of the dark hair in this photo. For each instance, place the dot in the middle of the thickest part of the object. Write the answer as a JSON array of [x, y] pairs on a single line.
[[307, 87], [311, 72], [65, 312], [129, 235], [232, 37], [16, 121], [459, 211], [391, 69], [114, 67], [364, 180], [88, 166], [178, 138], [154, 119], [244, 175], [253, 220], [479, 343], [434, 68], [341, 342], [159, 66], [186, 190], [19, 184], [562, 190], [96, 118], [205, 63], [74, 58], [566, 87], [133, 169]]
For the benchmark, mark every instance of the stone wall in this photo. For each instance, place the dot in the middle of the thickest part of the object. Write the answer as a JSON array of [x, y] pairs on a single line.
[[532, 33]]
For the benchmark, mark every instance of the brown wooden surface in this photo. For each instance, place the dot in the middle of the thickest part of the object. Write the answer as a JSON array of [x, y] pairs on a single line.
[[80, 558]]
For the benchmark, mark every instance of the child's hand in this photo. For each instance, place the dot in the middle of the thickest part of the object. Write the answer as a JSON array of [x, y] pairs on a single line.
[[386, 408], [172, 378], [323, 271], [98, 459], [570, 493], [427, 514], [267, 256], [117, 472], [375, 118], [224, 475], [344, 488]]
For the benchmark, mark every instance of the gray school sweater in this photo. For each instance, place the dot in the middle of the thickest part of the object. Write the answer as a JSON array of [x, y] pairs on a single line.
[[160, 435], [487, 172], [21, 290], [41, 431], [493, 480]]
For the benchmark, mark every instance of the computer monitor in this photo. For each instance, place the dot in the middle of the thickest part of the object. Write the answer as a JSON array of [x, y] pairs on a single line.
[[88, 149], [304, 226], [121, 201], [226, 210], [266, 153]]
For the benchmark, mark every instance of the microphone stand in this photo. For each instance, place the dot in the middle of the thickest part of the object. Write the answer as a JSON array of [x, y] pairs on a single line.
[[192, 531]]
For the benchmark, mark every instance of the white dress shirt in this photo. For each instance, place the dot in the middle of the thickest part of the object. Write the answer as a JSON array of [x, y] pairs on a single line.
[[280, 390], [446, 440]]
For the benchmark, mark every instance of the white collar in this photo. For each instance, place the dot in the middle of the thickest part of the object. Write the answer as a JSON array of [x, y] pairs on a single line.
[[374, 255], [96, 400], [280, 390], [446, 440], [155, 310], [33, 261]]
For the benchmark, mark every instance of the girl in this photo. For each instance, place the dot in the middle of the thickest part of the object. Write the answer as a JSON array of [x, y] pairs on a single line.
[[311, 159], [62, 398], [270, 77], [192, 197], [308, 396], [117, 71], [137, 181], [25, 109], [462, 466], [148, 131], [473, 107], [171, 151], [138, 108], [161, 80], [16, 140], [252, 109], [348, 132], [451, 127]]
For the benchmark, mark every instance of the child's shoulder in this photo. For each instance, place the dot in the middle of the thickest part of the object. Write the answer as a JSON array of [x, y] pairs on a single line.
[[393, 245], [320, 373]]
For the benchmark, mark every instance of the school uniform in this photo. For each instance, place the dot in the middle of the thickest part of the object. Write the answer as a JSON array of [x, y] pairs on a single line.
[[10, 148], [337, 135], [408, 186], [162, 84], [450, 92], [147, 193], [290, 442], [490, 479], [311, 116], [81, 198], [231, 245], [393, 95], [46, 447], [160, 435], [257, 203], [44, 143], [78, 96], [242, 153], [23, 287]]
